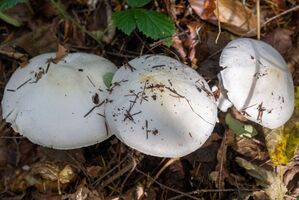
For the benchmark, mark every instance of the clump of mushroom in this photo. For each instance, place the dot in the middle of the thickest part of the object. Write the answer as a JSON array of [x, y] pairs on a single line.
[[160, 106], [256, 80], [59, 105]]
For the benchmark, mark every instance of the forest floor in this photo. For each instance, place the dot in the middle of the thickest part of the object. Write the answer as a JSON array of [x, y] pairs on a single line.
[[111, 170]]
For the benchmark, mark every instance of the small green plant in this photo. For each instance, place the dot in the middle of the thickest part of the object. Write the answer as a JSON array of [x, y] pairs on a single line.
[[107, 78], [6, 4], [151, 23]]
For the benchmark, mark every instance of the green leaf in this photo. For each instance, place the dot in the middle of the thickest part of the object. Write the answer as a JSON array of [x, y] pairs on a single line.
[[6, 4], [10, 20], [125, 20], [240, 128], [168, 41], [138, 3], [107, 78], [154, 24]]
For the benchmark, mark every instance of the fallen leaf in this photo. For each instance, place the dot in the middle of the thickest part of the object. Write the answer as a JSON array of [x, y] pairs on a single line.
[[204, 8], [42, 39], [250, 149], [66, 175], [271, 182], [60, 53], [239, 128], [233, 15], [94, 171], [177, 44], [100, 24], [236, 17], [222, 173], [290, 174], [280, 39]]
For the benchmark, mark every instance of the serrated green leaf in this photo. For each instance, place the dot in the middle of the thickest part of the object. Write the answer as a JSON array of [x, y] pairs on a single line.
[[138, 3], [240, 128], [125, 20], [168, 41], [6, 4], [154, 24], [107, 78]]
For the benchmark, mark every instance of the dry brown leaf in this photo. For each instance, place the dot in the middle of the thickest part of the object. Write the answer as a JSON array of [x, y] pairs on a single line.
[[236, 17], [204, 8], [221, 172], [41, 39], [84, 193], [100, 24], [280, 39], [60, 54], [250, 149], [291, 177], [94, 171], [46, 170], [233, 15], [259, 195], [178, 45]]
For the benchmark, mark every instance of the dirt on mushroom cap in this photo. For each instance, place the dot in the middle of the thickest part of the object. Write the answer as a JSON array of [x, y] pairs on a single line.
[[54, 104], [257, 81], [163, 109]]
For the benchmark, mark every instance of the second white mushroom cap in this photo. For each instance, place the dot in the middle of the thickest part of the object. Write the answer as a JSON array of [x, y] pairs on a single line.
[[160, 107], [257, 81]]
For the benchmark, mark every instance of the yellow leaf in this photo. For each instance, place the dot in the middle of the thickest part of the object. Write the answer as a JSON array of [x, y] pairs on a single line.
[[283, 142]]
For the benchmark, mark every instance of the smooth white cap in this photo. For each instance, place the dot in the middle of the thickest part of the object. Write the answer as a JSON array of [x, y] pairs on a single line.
[[160, 107], [258, 82], [50, 107]]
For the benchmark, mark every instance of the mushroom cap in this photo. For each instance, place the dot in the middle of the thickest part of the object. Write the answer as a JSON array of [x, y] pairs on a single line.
[[51, 107], [160, 107], [257, 81]]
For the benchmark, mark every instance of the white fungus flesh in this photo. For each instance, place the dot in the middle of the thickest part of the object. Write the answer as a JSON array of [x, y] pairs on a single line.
[[257, 81], [59, 105], [160, 107]]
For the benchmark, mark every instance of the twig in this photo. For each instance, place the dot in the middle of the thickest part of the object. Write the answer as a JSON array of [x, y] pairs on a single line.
[[258, 16], [281, 14], [214, 190], [166, 187], [219, 23], [167, 164], [130, 167], [275, 17], [111, 170]]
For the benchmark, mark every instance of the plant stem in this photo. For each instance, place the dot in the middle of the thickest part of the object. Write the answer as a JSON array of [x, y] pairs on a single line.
[[9, 20]]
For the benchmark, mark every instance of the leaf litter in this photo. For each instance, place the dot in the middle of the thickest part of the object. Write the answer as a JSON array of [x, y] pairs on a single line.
[[228, 166]]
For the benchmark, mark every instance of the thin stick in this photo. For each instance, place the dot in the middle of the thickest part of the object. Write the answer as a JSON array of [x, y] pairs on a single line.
[[219, 23], [130, 167], [167, 164], [258, 16], [214, 190], [166, 187], [275, 17], [281, 14]]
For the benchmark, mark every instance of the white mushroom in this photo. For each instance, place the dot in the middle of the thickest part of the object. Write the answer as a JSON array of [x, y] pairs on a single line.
[[59, 105], [160, 107], [256, 80]]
